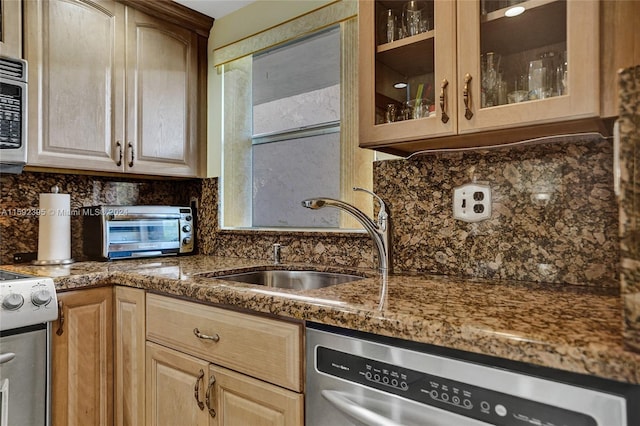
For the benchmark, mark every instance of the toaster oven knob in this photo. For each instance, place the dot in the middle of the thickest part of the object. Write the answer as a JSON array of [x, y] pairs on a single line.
[[41, 297], [13, 301], [186, 228], [188, 218], [186, 241]]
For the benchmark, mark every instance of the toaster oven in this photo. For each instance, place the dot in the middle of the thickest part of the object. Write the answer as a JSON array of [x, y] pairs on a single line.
[[125, 232]]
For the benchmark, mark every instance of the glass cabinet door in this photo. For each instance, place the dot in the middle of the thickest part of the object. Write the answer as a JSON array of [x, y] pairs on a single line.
[[526, 62], [406, 57]]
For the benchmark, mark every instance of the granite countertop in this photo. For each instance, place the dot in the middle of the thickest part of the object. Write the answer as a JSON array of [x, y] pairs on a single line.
[[578, 329]]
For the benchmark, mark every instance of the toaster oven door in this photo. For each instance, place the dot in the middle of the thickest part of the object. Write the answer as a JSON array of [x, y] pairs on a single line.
[[132, 238]]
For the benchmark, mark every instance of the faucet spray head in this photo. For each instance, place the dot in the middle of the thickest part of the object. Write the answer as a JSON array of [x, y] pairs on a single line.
[[313, 203]]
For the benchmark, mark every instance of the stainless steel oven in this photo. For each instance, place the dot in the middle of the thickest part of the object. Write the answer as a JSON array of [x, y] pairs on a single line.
[[13, 114], [27, 306], [358, 378]]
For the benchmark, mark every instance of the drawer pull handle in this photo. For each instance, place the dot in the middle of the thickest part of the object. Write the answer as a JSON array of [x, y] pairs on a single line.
[[60, 329], [443, 99], [199, 335], [466, 97], [119, 146], [133, 154], [196, 390], [212, 382]]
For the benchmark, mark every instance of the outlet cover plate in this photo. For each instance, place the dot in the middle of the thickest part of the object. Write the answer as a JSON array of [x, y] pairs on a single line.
[[472, 202]]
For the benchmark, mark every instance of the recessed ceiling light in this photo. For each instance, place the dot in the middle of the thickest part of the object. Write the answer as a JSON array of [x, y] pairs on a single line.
[[514, 11], [400, 85]]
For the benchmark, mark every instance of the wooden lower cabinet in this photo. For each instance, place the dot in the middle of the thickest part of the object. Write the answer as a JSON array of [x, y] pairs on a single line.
[[175, 388], [82, 359], [105, 372], [242, 400], [183, 389], [129, 355], [212, 366]]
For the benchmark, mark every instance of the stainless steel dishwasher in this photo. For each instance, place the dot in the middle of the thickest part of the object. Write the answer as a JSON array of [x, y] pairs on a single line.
[[356, 378]]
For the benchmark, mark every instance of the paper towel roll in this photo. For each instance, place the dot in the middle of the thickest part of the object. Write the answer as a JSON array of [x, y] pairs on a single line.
[[54, 230]]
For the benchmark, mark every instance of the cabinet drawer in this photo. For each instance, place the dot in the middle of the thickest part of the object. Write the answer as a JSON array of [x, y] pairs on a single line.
[[264, 348]]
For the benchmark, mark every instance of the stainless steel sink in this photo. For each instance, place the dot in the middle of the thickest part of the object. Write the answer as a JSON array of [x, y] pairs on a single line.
[[295, 280]]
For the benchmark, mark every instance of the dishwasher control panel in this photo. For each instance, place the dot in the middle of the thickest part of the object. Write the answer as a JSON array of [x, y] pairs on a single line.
[[461, 398]]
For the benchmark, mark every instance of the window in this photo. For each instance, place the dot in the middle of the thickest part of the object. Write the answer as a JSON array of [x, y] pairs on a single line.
[[296, 131], [289, 129]]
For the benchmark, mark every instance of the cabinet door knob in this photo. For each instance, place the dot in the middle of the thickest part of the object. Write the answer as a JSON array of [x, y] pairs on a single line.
[[212, 381], [466, 97], [196, 390], [199, 335], [120, 154], [443, 100], [133, 154]]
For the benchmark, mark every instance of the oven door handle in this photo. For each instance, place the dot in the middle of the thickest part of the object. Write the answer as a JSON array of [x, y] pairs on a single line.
[[7, 357], [355, 411]]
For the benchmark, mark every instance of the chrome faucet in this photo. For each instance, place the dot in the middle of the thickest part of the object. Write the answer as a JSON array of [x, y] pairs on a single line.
[[277, 253], [379, 231]]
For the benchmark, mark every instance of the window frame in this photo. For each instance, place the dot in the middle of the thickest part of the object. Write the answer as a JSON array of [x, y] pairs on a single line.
[[356, 163]]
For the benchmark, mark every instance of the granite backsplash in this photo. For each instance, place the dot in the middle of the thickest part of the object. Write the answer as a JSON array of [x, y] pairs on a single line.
[[630, 204], [20, 198], [554, 218], [554, 214]]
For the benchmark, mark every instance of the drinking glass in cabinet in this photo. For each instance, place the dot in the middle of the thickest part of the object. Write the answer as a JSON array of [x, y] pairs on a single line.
[[413, 13], [530, 63], [404, 60], [390, 26]]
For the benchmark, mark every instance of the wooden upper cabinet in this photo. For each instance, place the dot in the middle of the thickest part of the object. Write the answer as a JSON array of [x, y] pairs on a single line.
[[11, 34], [113, 89], [162, 97], [487, 78], [75, 52], [546, 51], [422, 62]]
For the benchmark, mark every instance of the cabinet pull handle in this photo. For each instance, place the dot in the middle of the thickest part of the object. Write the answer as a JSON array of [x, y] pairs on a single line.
[[60, 329], [212, 381], [443, 99], [7, 357], [196, 390], [120, 154], [199, 335], [133, 154], [467, 97]]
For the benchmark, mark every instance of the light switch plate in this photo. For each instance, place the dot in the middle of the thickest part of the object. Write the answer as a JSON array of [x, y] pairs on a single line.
[[472, 202]]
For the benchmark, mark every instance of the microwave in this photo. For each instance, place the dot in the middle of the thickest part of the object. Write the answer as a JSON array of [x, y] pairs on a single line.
[[127, 232], [13, 115]]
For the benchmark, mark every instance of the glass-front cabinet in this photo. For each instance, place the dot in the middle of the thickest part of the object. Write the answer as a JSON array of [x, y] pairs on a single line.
[[432, 71]]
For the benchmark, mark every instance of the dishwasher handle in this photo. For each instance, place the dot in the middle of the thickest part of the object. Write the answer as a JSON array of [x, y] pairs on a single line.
[[355, 411]]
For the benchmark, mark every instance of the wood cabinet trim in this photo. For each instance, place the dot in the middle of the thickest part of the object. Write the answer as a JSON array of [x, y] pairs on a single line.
[[175, 13], [129, 355]]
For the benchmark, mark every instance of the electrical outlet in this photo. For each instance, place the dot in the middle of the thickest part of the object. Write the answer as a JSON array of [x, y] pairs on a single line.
[[472, 202]]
